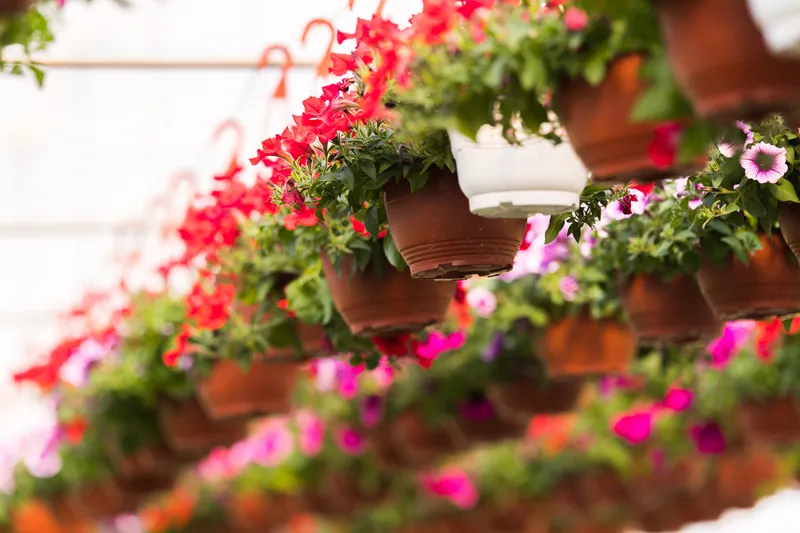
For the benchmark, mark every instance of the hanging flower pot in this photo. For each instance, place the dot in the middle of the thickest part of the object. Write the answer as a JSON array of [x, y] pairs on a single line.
[[147, 460], [187, 428], [341, 495], [611, 146], [386, 451], [525, 397], [478, 422], [603, 488], [740, 473], [772, 422], [517, 181], [670, 312], [34, 516], [580, 345], [440, 239], [255, 512], [779, 22], [374, 305], [232, 392], [720, 59], [312, 340], [12, 7], [769, 285], [419, 443]]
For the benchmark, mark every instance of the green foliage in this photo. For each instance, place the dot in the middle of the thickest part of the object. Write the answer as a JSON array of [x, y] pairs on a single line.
[[28, 31]]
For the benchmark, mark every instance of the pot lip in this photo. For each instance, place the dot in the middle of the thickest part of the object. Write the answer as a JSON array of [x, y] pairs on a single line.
[[396, 190]]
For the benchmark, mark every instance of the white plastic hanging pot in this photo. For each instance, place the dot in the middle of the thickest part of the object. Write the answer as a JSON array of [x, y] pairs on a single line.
[[779, 21], [503, 180]]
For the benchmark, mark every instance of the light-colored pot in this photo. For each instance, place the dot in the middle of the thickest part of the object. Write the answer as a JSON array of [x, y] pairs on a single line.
[[503, 180], [779, 21]]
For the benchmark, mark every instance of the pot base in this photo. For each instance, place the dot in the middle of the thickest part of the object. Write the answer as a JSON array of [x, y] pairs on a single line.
[[522, 204]]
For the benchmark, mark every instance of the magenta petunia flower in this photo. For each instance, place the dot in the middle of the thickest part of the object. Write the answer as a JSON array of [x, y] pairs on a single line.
[[438, 343], [635, 428], [216, 466], [371, 410], [678, 399], [764, 163], [482, 301], [708, 438], [477, 409], [569, 287], [453, 484], [734, 336], [350, 441]]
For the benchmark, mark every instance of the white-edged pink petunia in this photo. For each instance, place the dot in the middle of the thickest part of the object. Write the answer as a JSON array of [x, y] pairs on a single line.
[[764, 163]]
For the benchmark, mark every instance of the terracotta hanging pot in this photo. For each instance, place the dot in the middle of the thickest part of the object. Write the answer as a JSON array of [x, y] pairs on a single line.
[[187, 428], [580, 345], [13, 7], [419, 443], [231, 392], [34, 516], [147, 460], [619, 153], [256, 512], [375, 305], [341, 495], [768, 286], [511, 517], [494, 429], [720, 59], [523, 398], [668, 312], [771, 422], [741, 473], [112, 496], [386, 451], [441, 239], [603, 488]]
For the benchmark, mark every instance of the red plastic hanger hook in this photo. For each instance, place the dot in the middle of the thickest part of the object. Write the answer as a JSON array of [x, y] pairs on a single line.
[[223, 127], [288, 63], [324, 66], [378, 12]]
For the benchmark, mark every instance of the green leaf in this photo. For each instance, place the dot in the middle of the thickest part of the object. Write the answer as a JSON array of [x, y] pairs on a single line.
[[737, 248], [754, 206], [595, 70], [554, 228], [493, 76], [392, 253], [38, 74], [371, 221], [369, 169], [345, 176], [533, 71], [783, 191]]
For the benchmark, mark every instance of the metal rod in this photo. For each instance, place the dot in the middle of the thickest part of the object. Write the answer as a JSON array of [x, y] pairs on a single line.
[[157, 64]]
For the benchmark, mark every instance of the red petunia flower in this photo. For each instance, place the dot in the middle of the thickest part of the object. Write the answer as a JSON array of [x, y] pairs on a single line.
[[663, 148], [172, 355], [210, 310], [305, 216], [284, 304]]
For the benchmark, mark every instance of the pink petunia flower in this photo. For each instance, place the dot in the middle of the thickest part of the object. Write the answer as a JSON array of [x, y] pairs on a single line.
[[734, 336], [764, 163], [569, 287], [482, 301], [311, 432], [575, 19], [350, 440], [273, 444], [216, 466], [729, 150], [634, 428], [453, 484]]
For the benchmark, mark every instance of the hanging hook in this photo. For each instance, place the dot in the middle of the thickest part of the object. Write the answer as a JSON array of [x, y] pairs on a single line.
[[288, 63], [225, 125], [378, 12], [324, 66]]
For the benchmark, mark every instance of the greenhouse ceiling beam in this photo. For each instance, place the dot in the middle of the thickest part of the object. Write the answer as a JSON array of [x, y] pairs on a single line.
[[158, 64]]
